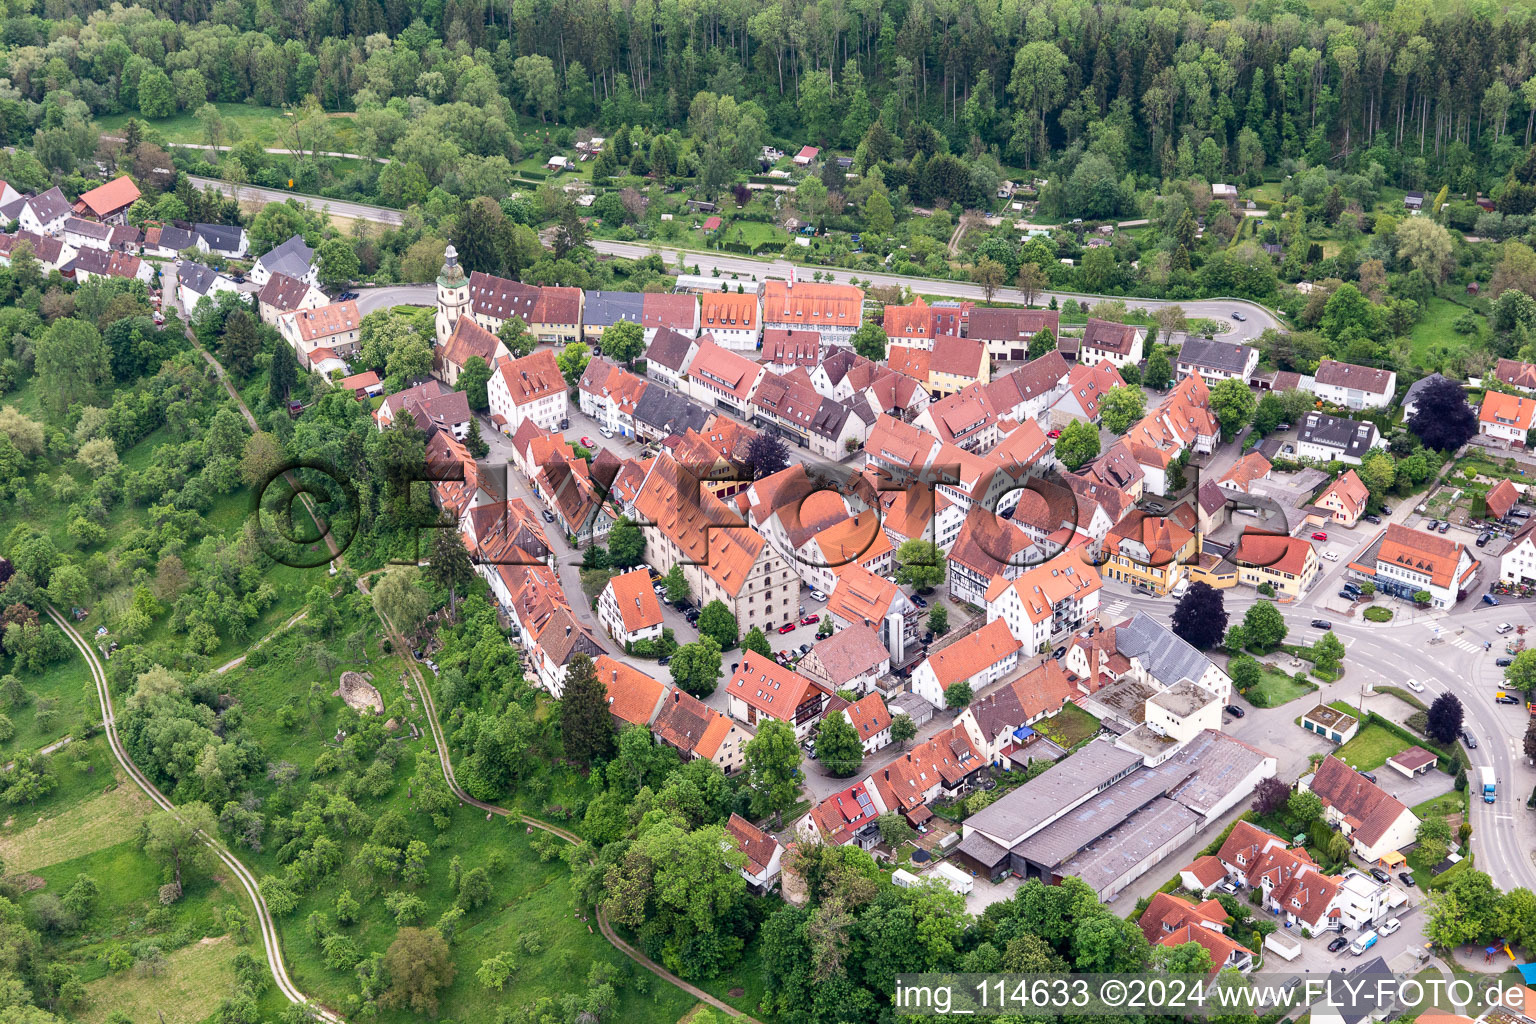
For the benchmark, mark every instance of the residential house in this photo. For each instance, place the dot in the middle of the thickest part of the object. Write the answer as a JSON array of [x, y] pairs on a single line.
[[1149, 551], [783, 351], [957, 363], [1518, 375], [722, 378], [722, 557], [432, 405], [1333, 438], [732, 319], [1245, 472], [944, 765], [851, 657], [1085, 389], [1028, 392], [109, 203], [165, 241], [1008, 332], [87, 233], [1518, 562], [195, 281], [1354, 387], [1047, 601], [330, 331], [468, 340], [806, 156], [1506, 417], [661, 413], [1417, 388], [1345, 499], [1375, 822], [292, 258], [634, 698], [695, 730], [668, 356], [762, 852], [528, 388], [576, 493], [664, 311], [762, 689], [227, 240], [1288, 564], [833, 311], [601, 310], [1171, 921], [45, 213], [900, 450], [964, 419], [557, 315], [628, 609], [1338, 727], [986, 547], [1121, 344], [860, 598], [848, 816], [978, 659], [910, 362], [1403, 562], [1216, 361], [283, 294], [1145, 650], [871, 720], [365, 385], [491, 301], [999, 723], [609, 394], [91, 262], [916, 325]]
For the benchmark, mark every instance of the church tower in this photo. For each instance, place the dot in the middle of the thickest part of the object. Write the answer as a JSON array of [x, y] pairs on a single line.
[[452, 296]]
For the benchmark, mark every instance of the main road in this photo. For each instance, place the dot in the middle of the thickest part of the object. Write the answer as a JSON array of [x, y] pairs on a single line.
[[1257, 317]]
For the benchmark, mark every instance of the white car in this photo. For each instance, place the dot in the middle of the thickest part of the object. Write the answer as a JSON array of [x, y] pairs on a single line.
[[1389, 926], [1415, 686], [817, 595], [1332, 556], [1503, 628]]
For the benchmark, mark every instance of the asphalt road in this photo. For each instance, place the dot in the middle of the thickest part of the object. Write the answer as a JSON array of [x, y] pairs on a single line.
[[1257, 317]]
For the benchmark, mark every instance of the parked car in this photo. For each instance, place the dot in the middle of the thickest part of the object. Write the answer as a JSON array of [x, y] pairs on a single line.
[[1406, 879], [1235, 711], [1433, 525], [788, 627], [1445, 526], [805, 648], [927, 638], [810, 620], [1337, 944], [548, 516], [734, 666], [1373, 518], [1506, 698], [1502, 627], [1349, 595], [587, 442], [1503, 662], [817, 595], [605, 432], [1483, 538], [1490, 599], [1321, 624], [1054, 434], [1520, 513], [1389, 926], [1332, 556], [1059, 653], [1369, 775], [917, 599], [1380, 875], [1319, 535]]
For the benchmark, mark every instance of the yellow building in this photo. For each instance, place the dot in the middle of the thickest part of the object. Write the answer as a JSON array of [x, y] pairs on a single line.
[[1289, 564], [1150, 551], [956, 363]]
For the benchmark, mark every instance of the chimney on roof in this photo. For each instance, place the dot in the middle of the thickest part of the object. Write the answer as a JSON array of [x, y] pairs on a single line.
[[567, 630]]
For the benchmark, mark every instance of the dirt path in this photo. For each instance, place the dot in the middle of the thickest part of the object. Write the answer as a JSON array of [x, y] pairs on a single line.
[[235, 662]]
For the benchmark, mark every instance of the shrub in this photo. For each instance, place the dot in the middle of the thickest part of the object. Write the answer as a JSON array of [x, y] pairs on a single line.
[[1376, 613]]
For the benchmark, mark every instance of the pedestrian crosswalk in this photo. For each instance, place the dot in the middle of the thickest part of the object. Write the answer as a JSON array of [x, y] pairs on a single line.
[[1113, 608], [1466, 645]]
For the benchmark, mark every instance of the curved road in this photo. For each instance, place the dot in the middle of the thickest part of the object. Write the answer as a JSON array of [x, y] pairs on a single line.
[[441, 741], [247, 880], [1258, 317]]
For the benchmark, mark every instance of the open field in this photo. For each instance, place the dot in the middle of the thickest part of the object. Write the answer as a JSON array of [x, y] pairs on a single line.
[[1069, 727], [1370, 748], [1275, 688], [1434, 327], [195, 979], [82, 828], [262, 125]]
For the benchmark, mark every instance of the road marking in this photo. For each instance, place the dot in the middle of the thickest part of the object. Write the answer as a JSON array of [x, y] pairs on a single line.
[[1113, 608], [1503, 817]]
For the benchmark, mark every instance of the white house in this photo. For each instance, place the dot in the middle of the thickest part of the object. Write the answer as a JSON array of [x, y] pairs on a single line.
[[293, 258], [1518, 563], [761, 850], [1505, 417], [45, 213], [1405, 561], [1375, 822], [978, 659], [528, 388], [1333, 438], [628, 608], [1354, 387], [194, 281], [1121, 344], [871, 720], [1050, 600]]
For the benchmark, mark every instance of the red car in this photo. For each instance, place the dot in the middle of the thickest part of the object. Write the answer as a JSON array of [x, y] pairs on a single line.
[[810, 620], [1054, 434], [1319, 535], [788, 627], [586, 442]]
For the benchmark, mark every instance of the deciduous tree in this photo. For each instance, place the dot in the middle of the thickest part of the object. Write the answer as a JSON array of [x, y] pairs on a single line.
[[1200, 617]]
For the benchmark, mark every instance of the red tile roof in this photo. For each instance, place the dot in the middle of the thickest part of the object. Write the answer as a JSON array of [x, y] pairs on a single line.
[[534, 376], [637, 602], [1513, 411], [1501, 499], [111, 197], [752, 841], [1368, 808], [327, 321], [633, 696], [972, 655]]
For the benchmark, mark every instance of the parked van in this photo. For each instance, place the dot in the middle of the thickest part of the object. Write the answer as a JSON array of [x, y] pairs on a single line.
[[1363, 943]]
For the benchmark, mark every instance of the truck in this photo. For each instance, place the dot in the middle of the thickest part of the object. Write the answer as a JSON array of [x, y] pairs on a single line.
[[1489, 784]]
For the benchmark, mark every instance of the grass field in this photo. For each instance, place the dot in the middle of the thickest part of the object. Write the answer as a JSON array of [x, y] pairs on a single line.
[[262, 125], [1069, 727], [81, 828], [1275, 688], [1434, 327], [195, 979], [1370, 748]]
